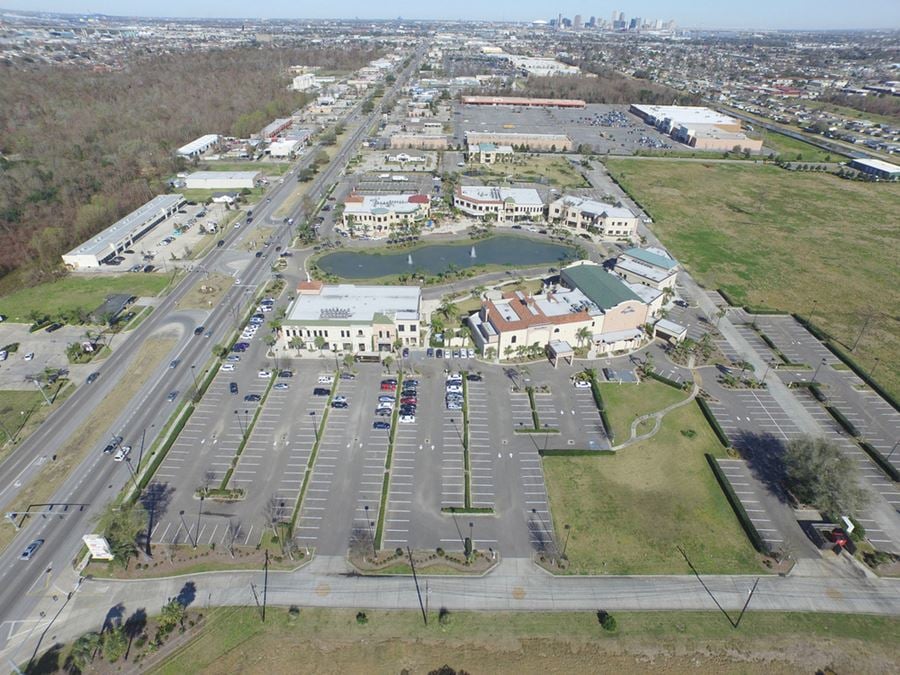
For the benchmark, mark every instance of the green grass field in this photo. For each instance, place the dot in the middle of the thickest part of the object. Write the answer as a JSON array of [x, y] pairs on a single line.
[[22, 411], [234, 640], [792, 241], [77, 291], [796, 151], [625, 402], [557, 171], [629, 511]]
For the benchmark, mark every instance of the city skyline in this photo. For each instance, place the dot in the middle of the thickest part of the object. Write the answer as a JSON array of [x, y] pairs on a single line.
[[763, 15]]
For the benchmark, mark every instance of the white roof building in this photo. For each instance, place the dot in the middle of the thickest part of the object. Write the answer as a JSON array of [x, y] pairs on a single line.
[[221, 180], [123, 233], [284, 148], [198, 146]]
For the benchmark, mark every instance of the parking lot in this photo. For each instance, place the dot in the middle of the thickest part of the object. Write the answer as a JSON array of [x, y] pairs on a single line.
[[606, 128], [176, 236], [794, 341]]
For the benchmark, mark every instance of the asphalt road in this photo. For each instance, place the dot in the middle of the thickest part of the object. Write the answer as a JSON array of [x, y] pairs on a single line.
[[98, 478]]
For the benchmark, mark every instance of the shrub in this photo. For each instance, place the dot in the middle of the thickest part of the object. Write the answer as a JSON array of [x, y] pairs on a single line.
[[398, 551], [688, 433], [294, 611], [440, 551], [361, 618], [444, 616], [607, 621]]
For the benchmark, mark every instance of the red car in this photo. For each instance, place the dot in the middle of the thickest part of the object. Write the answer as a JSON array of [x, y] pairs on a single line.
[[408, 399], [839, 537], [388, 387]]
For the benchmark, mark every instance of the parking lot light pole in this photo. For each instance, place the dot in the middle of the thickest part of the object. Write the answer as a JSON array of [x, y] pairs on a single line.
[[369, 524], [815, 374], [194, 374], [890, 454], [312, 414], [568, 529], [199, 514]]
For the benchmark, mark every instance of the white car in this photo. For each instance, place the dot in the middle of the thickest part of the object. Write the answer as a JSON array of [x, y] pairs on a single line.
[[454, 389], [582, 384], [325, 379], [264, 374], [122, 453], [227, 367], [29, 356], [407, 419], [470, 353]]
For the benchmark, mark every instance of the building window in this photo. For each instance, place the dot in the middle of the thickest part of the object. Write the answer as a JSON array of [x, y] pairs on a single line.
[[513, 340], [412, 328], [401, 327]]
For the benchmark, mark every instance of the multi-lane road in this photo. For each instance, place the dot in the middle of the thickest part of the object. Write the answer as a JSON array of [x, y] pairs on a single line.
[[98, 479]]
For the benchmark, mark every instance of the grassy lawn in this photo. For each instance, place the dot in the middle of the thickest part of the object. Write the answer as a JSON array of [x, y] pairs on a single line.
[[89, 434], [626, 402], [235, 640], [789, 148], [557, 171], [77, 291], [267, 168], [784, 240], [21, 412], [628, 512]]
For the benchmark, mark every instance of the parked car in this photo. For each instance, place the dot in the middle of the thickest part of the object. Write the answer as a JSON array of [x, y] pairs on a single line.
[[31, 549], [264, 374], [348, 376], [227, 367], [407, 419], [339, 404], [474, 377], [53, 327], [321, 391], [233, 388], [286, 373], [838, 536], [381, 425], [233, 358], [281, 386], [405, 352], [681, 303], [582, 384], [325, 379], [252, 398]]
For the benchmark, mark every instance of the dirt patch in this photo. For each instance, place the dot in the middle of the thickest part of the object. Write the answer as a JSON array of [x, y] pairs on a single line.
[[207, 292], [87, 437]]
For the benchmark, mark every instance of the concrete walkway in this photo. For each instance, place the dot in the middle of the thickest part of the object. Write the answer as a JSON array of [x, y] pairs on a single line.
[[657, 419]]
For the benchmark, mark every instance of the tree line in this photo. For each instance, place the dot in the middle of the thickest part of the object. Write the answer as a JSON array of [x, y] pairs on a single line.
[[80, 149]]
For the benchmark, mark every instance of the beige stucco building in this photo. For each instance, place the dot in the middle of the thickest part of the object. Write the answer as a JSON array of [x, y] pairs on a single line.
[[651, 267], [506, 204], [603, 221], [378, 216], [352, 319], [527, 142]]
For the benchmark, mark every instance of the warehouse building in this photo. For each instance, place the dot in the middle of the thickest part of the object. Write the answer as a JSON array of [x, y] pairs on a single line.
[[522, 102], [601, 220], [122, 234], [419, 141], [198, 146], [876, 167], [272, 129], [284, 148], [221, 180], [697, 126], [521, 141], [351, 318], [488, 153], [507, 204], [378, 216]]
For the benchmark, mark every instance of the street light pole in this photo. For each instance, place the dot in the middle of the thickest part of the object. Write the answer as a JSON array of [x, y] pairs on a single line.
[[890, 454], [312, 414], [568, 529], [371, 533], [815, 374]]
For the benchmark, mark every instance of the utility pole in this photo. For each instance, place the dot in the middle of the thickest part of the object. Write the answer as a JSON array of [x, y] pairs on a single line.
[[412, 564], [861, 331], [265, 586]]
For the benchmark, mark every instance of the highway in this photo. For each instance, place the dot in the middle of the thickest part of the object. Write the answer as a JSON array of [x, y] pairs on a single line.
[[98, 479]]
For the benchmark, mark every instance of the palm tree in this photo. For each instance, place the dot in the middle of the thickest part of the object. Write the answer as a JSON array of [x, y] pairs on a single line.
[[507, 352], [448, 310], [583, 334], [296, 342], [84, 649]]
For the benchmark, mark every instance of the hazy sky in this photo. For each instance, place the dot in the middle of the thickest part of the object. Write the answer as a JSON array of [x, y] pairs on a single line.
[[701, 13]]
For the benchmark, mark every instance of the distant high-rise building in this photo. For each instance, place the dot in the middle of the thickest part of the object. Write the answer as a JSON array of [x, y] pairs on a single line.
[[592, 22], [622, 16], [635, 23], [576, 24]]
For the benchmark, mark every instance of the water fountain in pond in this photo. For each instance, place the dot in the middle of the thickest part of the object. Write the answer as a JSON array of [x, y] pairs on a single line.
[[409, 259], [472, 253]]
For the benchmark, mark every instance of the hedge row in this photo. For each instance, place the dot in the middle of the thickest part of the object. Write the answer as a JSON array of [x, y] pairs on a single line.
[[157, 458], [743, 518], [848, 360], [750, 309], [713, 422], [471, 510], [813, 387], [672, 383], [573, 452], [889, 469], [838, 416], [601, 407]]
